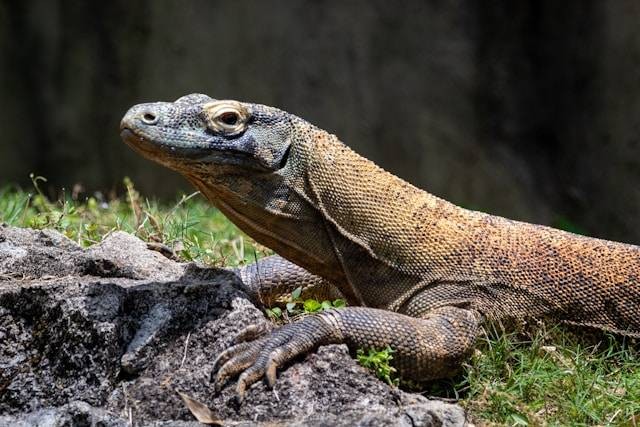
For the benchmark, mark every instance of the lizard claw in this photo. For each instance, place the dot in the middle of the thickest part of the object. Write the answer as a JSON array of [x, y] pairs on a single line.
[[244, 343], [231, 353], [254, 360]]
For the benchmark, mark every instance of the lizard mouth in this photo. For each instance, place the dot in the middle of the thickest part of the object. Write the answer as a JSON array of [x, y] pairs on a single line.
[[138, 143], [156, 151]]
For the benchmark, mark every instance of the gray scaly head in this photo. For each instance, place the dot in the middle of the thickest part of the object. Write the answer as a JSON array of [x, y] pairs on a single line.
[[247, 159], [196, 129]]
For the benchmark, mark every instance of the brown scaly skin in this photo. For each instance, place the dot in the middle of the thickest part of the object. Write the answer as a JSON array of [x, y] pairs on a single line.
[[419, 273]]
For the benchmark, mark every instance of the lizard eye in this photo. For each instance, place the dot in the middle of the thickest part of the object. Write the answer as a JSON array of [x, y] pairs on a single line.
[[228, 117]]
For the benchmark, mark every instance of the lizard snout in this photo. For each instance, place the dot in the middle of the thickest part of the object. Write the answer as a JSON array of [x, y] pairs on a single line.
[[138, 127], [149, 118], [140, 115]]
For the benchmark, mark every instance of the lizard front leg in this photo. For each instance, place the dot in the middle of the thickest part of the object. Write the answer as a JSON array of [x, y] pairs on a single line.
[[272, 279], [425, 348]]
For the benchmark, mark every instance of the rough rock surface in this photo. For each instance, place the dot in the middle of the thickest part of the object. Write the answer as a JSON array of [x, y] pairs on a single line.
[[109, 334]]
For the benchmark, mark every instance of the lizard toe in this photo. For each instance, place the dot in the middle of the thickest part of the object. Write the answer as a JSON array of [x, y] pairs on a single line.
[[238, 358], [252, 332], [246, 379], [227, 354], [284, 354], [254, 360], [283, 345]]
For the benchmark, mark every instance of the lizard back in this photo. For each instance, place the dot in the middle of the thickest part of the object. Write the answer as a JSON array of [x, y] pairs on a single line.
[[422, 252]]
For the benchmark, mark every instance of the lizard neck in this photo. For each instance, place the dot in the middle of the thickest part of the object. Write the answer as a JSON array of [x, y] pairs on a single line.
[[273, 213], [382, 228], [372, 208]]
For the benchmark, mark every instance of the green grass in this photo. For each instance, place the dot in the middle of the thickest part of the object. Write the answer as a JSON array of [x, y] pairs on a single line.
[[528, 377], [190, 226], [557, 376]]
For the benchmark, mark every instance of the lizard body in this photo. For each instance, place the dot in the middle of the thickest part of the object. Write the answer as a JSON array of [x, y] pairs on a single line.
[[421, 273]]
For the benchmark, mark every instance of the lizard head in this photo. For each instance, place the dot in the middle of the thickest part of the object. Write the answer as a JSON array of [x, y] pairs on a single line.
[[198, 133], [246, 159]]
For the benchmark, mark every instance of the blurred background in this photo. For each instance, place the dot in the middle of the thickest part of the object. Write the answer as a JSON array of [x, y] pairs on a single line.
[[527, 109]]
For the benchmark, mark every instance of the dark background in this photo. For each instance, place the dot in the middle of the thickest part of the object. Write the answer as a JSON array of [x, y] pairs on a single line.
[[528, 109]]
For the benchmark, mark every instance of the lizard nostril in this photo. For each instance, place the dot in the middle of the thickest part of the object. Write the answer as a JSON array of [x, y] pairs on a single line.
[[150, 118]]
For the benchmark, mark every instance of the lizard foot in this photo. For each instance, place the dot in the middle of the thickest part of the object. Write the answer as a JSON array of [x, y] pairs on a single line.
[[425, 348], [262, 356]]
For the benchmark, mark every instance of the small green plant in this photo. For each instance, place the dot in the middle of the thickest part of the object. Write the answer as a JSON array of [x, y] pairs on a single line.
[[293, 301], [274, 313], [379, 361], [295, 305]]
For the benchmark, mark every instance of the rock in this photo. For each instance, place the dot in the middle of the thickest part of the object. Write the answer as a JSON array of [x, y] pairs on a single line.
[[109, 335], [72, 414]]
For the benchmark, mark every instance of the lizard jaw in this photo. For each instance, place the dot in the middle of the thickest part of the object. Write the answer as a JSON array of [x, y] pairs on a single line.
[[138, 143], [161, 153]]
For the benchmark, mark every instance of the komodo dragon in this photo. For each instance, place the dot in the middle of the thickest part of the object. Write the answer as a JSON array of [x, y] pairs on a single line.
[[419, 274]]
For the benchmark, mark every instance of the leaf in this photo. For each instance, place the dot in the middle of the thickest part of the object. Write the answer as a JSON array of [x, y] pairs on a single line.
[[379, 363], [200, 411], [519, 420], [296, 293], [311, 306], [326, 305], [291, 306], [339, 303], [274, 312]]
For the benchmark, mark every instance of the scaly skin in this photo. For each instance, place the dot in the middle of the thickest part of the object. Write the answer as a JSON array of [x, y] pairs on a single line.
[[420, 274]]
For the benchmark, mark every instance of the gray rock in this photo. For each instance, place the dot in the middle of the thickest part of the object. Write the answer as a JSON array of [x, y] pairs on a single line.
[[76, 413], [108, 335]]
